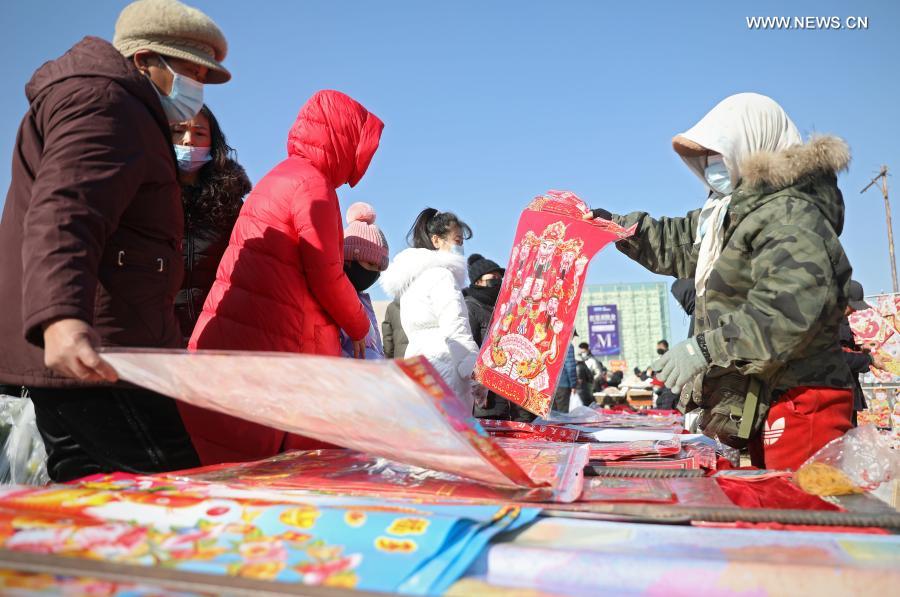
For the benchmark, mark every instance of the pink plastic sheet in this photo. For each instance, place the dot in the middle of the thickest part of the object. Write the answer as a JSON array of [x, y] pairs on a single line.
[[558, 466], [399, 410]]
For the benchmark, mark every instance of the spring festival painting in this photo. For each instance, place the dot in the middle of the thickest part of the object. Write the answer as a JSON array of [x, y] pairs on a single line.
[[534, 319]]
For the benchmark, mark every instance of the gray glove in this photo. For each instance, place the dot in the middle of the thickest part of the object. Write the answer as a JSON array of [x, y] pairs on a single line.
[[681, 364]]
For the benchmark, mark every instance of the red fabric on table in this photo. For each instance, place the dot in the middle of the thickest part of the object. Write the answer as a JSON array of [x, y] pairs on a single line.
[[772, 492]]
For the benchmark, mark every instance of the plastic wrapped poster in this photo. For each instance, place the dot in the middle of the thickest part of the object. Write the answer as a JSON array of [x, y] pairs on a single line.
[[580, 557], [523, 353], [629, 450], [399, 410], [878, 329], [328, 541], [880, 403], [557, 466], [610, 489], [521, 430]]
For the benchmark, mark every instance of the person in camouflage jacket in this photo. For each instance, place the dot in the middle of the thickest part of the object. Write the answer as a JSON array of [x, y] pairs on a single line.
[[775, 294]]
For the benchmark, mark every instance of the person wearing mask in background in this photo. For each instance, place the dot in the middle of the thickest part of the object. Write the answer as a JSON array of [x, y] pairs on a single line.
[[486, 277], [771, 276], [91, 236], [685, 292], [213, 186], [365, 257], [858, 360], [666, 399], [281, 285], [568, 381], [584, 349], [585, 381], [392, 333], [428, 279]]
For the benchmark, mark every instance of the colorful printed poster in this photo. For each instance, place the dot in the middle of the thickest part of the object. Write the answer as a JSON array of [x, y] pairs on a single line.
[[582, 557], [523, 353], [878, 329], [603, 329], [18, 583], [324, 541], [376, 407]]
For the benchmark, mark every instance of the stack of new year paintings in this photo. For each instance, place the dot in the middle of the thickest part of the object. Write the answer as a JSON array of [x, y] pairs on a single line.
[[191, 526]]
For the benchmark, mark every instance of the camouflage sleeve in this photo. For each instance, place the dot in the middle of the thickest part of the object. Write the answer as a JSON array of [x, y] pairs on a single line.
[[792, 276], [664, 246]]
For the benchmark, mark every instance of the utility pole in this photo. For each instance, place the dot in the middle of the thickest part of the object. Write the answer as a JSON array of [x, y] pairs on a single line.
[[883, 174]]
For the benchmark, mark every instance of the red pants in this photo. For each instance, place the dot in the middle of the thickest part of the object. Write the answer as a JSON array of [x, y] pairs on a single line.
[[799, 423]]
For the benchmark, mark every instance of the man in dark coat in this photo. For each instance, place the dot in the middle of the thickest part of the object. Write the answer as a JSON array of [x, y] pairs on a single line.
[[90, 239], [485, 277], [858, 360]]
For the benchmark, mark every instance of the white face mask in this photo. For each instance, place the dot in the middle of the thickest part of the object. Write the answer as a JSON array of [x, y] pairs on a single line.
[[717, 175], [185, 99], [191, 159]]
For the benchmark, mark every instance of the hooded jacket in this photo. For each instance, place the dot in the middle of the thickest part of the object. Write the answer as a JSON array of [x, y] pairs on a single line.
[[281, 284], [776, 295], [210, 210], [92, 224], [433, 313]]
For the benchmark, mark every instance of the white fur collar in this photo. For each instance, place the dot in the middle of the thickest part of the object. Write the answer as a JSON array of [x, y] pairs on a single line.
[[410, 263]]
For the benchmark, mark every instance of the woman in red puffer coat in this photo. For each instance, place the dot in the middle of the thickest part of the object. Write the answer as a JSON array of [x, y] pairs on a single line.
[[281, 284]]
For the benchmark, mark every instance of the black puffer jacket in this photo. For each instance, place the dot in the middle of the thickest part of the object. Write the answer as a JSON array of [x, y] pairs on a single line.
[[210, 209], [480, 303]]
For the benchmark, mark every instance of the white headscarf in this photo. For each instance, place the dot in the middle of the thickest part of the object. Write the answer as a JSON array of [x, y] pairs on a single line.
[[740, 125]]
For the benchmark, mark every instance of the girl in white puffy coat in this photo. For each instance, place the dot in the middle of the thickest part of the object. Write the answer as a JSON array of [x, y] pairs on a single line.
[[428, 279]]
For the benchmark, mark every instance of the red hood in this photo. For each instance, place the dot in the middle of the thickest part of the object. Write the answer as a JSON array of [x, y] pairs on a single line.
[[337, 134]]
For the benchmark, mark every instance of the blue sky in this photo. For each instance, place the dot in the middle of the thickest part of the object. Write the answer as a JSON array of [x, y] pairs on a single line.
[[488, 104]]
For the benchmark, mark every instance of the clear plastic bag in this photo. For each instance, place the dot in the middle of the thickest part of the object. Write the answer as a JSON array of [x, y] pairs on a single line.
[[23, 460], [862, 460]]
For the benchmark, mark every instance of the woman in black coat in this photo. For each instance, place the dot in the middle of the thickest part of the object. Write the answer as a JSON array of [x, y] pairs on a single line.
[[213, 186]]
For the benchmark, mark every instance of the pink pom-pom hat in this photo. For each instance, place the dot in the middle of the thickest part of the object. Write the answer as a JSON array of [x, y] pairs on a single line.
[[363, 240]]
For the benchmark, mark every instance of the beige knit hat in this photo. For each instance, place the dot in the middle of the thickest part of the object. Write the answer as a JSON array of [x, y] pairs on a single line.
[[171, 28]]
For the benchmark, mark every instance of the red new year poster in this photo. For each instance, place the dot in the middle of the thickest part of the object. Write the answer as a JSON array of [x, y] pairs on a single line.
[[523, 355]]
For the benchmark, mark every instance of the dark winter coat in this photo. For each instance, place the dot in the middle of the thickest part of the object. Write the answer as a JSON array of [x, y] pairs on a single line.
[[685, 292], [569, 376], [858, 361], [480, 303], [392, 334], [92, 224], [210, 211]]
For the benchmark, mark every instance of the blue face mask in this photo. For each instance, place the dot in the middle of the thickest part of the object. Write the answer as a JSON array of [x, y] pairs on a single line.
[[191, 159], [717, 175], [185, 99], [458, 250]]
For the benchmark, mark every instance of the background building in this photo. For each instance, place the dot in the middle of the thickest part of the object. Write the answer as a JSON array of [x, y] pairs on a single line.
[[643, 319]]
